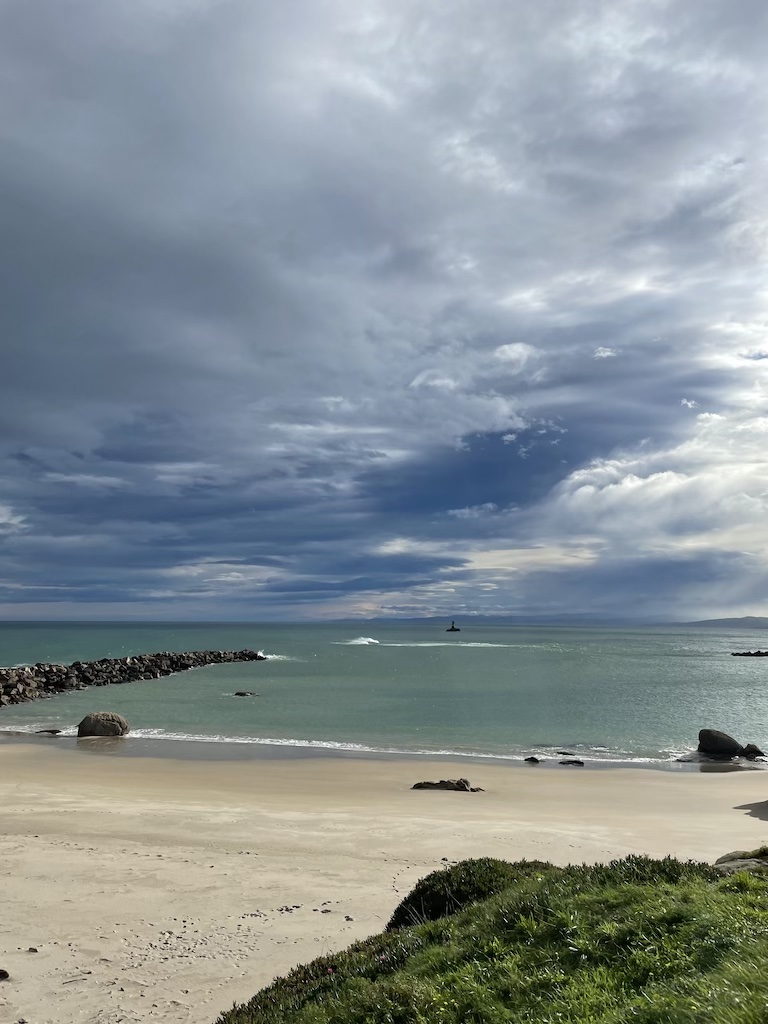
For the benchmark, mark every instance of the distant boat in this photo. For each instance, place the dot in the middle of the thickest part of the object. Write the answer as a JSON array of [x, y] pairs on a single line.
[[453, 628]]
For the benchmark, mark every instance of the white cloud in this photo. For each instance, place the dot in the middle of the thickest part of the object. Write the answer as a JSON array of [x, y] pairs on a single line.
[[10, 521]]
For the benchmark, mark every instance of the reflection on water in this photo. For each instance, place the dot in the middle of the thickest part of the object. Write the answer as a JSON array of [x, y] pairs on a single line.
[[101, 744]]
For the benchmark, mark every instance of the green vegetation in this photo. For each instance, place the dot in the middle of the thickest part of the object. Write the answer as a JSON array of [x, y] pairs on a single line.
[[638, 940], [450, 890]]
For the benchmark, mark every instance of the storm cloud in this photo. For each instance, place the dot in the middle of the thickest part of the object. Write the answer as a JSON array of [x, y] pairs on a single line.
[[312, 309]]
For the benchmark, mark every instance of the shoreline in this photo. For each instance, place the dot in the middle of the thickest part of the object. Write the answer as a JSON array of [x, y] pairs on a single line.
[[164, 889], [215, 750]]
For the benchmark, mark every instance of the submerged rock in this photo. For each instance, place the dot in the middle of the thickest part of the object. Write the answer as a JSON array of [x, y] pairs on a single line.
[[574, 761], [103, 723], [532, 760]]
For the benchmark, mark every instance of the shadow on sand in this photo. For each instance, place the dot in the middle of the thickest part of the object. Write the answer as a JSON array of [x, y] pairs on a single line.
[[758, 809]]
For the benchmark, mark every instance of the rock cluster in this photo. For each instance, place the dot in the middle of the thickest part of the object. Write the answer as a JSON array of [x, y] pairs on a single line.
[[718, 744], [749, 654], [458, 785], [31, 682]]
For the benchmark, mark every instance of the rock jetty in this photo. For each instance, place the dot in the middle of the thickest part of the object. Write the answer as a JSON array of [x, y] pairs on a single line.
[[31, 682]]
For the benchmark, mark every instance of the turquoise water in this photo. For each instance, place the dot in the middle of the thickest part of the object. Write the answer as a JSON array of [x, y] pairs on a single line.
[[609, 694]]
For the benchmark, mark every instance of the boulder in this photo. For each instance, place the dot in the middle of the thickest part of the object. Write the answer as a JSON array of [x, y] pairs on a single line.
[[457, 785], [244, 693], [103, 723], [532, 760], [753, 861], [718, 744], [751, 752]]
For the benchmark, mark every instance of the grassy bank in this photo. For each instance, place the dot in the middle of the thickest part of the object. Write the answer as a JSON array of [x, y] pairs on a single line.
[[640, 940]]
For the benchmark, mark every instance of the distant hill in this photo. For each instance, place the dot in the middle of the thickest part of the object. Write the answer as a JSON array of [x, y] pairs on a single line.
[[745, 622]]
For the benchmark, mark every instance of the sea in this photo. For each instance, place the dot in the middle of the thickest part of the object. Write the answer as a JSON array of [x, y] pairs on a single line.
[[606, 695]]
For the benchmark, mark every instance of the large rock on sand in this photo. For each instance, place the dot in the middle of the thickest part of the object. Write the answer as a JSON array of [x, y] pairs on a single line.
[[457, 785], [103, 723], [718, 744]]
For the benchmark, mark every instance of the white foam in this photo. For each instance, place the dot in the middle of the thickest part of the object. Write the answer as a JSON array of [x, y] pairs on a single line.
[[358, 642], [615, 756], [453, 643]]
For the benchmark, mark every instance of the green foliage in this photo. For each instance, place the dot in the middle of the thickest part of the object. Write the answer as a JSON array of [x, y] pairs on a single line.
[[450, 889], [637, 941]]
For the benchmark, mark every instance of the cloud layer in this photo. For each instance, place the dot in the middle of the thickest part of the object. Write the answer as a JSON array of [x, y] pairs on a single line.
[[320, 310]]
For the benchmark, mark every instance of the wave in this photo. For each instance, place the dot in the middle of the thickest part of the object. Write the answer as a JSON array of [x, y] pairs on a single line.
[[361, 641], [455, 643], [591, 755]]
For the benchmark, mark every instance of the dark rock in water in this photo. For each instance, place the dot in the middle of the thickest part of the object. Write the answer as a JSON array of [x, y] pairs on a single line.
[[48, 732], [457, 785], [103, 723], [718, 744], [532, 760], [574, 761], [751, 752], [749, 654], [566, 753], [245, 693]]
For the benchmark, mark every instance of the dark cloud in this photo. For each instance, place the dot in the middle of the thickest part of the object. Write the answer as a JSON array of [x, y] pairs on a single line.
[[380, 308]]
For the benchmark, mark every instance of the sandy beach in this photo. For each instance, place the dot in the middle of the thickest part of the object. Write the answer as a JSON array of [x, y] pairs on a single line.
[[141, 889]]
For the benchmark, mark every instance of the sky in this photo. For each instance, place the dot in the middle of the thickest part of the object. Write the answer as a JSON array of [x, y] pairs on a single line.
[[314, 309]]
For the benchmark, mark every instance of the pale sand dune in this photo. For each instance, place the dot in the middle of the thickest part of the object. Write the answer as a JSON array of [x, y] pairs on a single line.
[[152, 889]]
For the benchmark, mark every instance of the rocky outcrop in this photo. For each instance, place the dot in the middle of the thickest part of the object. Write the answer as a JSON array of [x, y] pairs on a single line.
[[458, 785], [31, 682], [720, 745], [103, 723], [749, 654], [753, 861]]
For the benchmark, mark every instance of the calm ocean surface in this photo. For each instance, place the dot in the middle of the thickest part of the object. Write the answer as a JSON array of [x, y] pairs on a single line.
[[610, 694]]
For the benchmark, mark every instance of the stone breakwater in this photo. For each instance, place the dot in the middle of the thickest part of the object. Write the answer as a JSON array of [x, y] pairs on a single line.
[[31, 682]]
